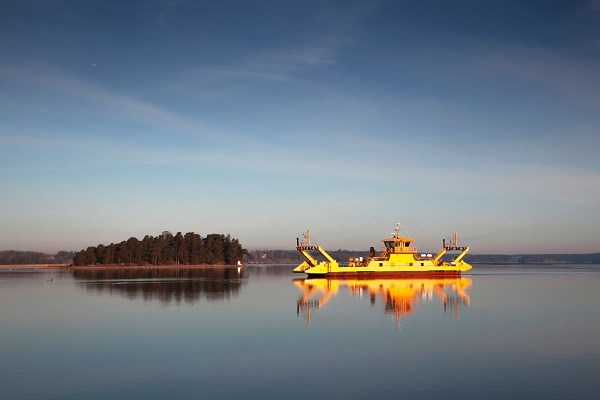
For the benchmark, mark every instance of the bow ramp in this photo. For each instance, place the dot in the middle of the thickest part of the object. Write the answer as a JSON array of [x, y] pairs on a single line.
[[304, 247]]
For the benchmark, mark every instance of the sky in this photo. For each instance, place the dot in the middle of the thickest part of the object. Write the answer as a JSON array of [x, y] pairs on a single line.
[[262, 119]]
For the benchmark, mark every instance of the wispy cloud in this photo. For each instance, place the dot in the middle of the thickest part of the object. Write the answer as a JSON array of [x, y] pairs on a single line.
[[305, 51], [561, 73], [268, 67], [144, 112], [566, 186], [25, 140]]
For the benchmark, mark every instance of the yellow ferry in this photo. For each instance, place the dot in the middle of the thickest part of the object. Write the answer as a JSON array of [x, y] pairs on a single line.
[[397, 259]]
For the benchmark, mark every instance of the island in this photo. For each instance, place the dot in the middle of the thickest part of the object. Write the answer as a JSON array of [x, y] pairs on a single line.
[[164, 250]]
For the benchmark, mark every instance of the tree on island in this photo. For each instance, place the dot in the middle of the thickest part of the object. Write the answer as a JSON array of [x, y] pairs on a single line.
[[165, 249]]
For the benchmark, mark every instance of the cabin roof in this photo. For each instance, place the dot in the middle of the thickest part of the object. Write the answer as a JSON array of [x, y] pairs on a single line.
[[399, 239]]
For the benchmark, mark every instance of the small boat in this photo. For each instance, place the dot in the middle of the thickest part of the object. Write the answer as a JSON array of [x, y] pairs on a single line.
[[397, 259]]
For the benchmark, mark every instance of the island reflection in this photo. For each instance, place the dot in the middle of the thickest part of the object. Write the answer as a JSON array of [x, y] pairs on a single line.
[[398, 296], [168, 285]]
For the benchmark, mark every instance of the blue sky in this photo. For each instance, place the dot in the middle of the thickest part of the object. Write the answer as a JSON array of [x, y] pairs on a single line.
[[262, 119]]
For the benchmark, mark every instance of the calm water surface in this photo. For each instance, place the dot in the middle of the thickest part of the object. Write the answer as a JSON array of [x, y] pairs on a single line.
[[266, 333]]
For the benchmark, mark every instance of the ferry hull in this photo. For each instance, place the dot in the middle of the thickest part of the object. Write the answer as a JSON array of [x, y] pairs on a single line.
[[386, 274], [334, 270]]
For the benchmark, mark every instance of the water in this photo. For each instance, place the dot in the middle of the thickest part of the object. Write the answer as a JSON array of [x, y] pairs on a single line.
[[262, 333]]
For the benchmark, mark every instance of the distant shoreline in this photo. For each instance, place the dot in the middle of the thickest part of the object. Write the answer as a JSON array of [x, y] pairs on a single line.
[[10, 266], [533, 263], [116, 266], [198, 266]]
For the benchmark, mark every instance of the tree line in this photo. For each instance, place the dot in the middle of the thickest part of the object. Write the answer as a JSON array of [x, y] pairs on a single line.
[[165, 249], [293, 256], [590, 258], [16, 257]]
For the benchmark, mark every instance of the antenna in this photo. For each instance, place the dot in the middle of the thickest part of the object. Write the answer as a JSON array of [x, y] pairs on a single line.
[[455, 239], [396, 232], [307, 236]]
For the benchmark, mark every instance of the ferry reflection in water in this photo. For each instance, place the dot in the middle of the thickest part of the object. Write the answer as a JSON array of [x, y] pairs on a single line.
[[167, 285], [398, 296]]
